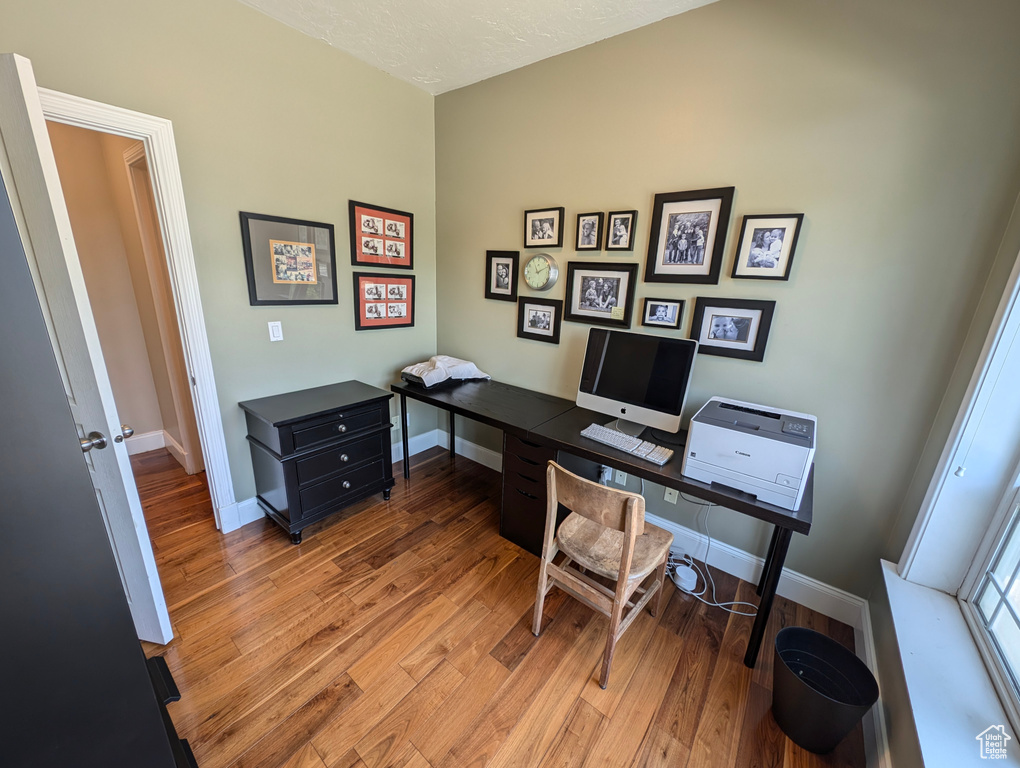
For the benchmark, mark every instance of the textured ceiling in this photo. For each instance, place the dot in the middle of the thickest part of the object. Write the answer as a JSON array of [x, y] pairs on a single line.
[[440, 45]]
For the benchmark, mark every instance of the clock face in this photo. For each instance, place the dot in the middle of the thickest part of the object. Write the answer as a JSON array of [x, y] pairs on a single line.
[[540, 272]]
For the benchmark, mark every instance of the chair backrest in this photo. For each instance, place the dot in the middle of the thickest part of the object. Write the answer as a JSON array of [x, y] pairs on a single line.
[[609, 507]]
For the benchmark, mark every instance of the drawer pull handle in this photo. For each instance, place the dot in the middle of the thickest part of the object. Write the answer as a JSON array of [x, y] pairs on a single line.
[[525, 493], [347, 484], [529, 461], [342, 428], [529, 479], [343, 457]]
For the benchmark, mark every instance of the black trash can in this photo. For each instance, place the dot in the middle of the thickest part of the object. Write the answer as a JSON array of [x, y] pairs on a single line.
[[820, 690]]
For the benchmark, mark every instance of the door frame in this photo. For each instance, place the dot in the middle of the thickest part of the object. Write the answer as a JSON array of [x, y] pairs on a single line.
[[156, 135]]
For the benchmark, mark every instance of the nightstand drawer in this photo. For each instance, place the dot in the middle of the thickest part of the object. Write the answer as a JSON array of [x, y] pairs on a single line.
[[338, 427], [333, 492], [340, 457]]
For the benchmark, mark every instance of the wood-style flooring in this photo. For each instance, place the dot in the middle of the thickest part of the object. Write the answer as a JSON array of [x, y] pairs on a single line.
[[399, 635]]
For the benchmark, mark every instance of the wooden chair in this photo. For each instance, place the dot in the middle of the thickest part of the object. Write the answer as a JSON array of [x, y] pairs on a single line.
[[605, 534]]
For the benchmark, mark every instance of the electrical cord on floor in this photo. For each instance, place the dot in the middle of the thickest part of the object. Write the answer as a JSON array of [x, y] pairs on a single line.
[[730, 606]]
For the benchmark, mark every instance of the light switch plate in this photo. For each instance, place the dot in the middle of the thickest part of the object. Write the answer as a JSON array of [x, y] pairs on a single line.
[[275, 330]]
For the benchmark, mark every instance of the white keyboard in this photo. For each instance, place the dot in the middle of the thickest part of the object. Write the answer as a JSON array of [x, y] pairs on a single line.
[[656, 454]]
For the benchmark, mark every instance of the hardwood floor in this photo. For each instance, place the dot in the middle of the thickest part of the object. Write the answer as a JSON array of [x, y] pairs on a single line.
[[399, 635]]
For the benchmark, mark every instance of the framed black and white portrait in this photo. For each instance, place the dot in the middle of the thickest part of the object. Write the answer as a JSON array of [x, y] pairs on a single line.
[[620, 230], [539, 319], [662, 313], [688, 232], [766, 246], [589, 231], [501, 275], [600, 294], [732, 327], [543, 228]]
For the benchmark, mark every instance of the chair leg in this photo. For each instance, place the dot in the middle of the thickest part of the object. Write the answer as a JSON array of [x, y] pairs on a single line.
[[657, 602], [543, 578], [607, 657]]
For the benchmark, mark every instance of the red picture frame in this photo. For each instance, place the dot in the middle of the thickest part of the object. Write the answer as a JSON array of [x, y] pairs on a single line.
[[383, 301], [381, 237]]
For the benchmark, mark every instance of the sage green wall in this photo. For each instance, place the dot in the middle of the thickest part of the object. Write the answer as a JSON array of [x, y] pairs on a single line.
[[268, 120], [892, 126]]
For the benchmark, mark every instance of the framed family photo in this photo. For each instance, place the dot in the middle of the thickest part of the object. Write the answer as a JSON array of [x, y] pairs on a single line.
[[288, 261], [381, 237], [620, 230], [589, 231], [732, 327], [766, 246], [501, 275], [539, 319], [662, 313], [383, 301], [688, 232], [600, 294], [543, 228]]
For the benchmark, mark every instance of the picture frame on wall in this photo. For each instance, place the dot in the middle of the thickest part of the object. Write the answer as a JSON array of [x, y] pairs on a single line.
[[288, 261], [662, 313], [732, 327], [383, 301], [589, 231], [381, 237], [687, 236], [501, 275], [539, 319], [620, 230], [600, 294], [543, 228], [766, 246]]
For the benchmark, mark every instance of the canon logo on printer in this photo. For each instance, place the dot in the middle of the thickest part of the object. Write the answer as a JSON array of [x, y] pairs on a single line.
[[741, 453]]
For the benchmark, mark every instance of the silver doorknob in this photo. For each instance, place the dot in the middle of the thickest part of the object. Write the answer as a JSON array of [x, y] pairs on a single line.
[[347, 484], [125, 431], [95, 440]]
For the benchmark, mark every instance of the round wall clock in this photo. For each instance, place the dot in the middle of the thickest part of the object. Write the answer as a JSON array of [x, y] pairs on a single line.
[[540, 272]]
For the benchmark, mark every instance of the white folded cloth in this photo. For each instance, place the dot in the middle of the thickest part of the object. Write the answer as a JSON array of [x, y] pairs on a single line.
[[442, 367]]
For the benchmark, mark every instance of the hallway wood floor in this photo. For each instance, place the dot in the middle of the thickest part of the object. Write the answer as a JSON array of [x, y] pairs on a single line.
[[399, 635]]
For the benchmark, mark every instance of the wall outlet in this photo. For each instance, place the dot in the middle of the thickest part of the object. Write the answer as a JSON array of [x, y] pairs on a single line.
[[671, 495], [621, 477]]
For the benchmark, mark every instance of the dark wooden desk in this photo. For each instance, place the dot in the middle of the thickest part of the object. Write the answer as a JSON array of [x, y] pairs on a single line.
[[557, 423]]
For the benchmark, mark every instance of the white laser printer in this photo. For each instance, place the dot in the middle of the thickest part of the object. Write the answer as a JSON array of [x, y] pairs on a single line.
[[753, 448]]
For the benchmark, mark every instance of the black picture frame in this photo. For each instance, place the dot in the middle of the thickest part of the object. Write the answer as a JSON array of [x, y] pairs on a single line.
[[614, 241], [536, 234], [588, 234], [528, 307], [494, 288], [397, 290], [389, 243], [651, 309], [600, 308], [678, 218], [288, 261], [714, 320], [757, 257]]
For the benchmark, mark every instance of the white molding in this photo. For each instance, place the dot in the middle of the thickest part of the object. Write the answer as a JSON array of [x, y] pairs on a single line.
[[176, 449], [484, 456], [416, 444], [145, 442], [156, 134], [876, 735]]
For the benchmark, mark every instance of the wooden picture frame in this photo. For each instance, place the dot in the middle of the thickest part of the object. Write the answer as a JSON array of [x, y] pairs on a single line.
[[288, 261], [600, 294], [539, 319], [543, 228], [687, 236], [766, 246], [502, 272], [588, 235], [381, 237], [662, 313], [732, 327], [621, 227], [383, 301]]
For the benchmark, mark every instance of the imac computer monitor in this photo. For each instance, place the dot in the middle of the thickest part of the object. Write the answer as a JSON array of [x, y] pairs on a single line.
[[640, 379]]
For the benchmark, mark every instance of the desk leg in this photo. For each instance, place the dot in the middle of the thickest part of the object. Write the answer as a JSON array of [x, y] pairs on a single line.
[[403, 436], [768, 595], [453, 439], [768, 560]]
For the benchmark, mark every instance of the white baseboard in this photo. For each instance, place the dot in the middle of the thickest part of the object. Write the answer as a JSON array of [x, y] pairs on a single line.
[[145, 442], [240, 513], [484, 456], [416, 444], [176, 450]]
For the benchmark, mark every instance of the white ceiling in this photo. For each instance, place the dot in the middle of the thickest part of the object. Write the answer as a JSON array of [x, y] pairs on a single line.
[[440, 45]]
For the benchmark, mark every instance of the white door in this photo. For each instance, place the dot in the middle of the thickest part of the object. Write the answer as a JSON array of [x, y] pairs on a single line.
[[30, 175]]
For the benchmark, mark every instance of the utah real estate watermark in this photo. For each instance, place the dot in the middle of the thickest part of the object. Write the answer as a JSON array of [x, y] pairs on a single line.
[[993, 742]]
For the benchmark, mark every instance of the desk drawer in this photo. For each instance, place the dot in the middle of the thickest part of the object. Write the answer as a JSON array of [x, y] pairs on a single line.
[[517, 470], [334, 491], [340, 457], [530, 452], [337, 427]]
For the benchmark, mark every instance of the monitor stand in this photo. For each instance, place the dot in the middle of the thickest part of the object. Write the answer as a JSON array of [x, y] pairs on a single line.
[[631, 428]]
